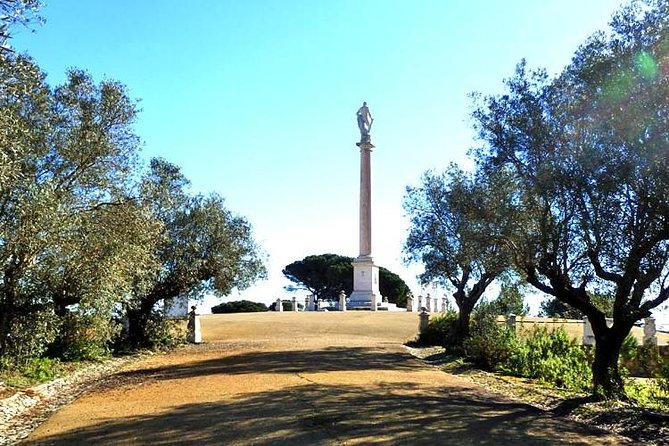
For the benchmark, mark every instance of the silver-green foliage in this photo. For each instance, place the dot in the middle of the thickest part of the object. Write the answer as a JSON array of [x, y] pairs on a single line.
[[590, 154], [202, 248], [454, 232], [71, 240]]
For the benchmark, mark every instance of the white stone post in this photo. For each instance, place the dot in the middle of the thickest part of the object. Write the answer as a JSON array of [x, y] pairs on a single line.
[[435, 303], [511, 321], [278, 306], [409, 304], [423, 321], [342, 301], [428, 303], [310, 303], [649, 332], [375, 302], [420, 303], [194, 327], [444, 305], [197, 336], [588, 334], [295, 307]]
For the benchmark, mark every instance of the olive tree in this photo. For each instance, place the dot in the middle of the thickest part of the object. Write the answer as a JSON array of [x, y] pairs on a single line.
[[591, 154], [17, 12], [67, 155], [453, 233], [203, 247]]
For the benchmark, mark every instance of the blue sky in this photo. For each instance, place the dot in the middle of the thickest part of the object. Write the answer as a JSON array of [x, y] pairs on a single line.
[[256, 99]]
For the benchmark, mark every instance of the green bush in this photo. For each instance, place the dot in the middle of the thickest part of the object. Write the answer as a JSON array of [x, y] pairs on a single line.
[[42, 369], [549, 356], [662, 376], [239, 306], [648, 359], [629, 349], [165, 333], [82, 338], [30, 335], [438, 330], [489, 344], [30, 372], [159, 332]]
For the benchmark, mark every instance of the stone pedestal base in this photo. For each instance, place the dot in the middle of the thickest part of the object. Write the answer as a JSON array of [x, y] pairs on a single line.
[[194, 329], [366, 294]]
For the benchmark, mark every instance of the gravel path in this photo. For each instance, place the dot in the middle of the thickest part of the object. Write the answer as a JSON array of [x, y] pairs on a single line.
[[25, 410], [309, 378]]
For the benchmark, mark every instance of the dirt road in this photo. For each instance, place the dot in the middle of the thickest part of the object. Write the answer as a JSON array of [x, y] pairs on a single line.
[[302, 379]]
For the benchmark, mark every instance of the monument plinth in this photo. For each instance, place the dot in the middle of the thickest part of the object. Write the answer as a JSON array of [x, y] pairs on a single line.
[[366, 294]]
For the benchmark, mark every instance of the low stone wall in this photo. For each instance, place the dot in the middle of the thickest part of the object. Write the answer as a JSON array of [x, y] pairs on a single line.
[[575, 328], [645, 365]]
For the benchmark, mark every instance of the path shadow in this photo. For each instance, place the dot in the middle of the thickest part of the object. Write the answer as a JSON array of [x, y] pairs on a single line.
[[329, 415], [291, 361]]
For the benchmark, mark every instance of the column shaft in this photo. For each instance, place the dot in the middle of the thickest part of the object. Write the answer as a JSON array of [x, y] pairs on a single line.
[[365, 202]]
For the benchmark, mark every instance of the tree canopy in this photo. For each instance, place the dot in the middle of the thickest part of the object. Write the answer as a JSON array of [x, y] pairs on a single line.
[[84, 235], [67, 153], [203, 247], [453, 233], [239, 306], [325, 275], [16, 12], [589, 152], [510, 299]]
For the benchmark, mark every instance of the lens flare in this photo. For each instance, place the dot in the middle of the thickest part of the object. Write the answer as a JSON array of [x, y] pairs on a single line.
[[646, 65]]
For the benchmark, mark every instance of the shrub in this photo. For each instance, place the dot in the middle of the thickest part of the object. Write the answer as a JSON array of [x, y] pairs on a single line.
[[30, 372], [164, 332], [438, 330], [662, 375], [82, 337], [239, 306], [629, 349], [545, 355], [42, 369], [29, 336], [550, 356], [648, 359], [489, 344]]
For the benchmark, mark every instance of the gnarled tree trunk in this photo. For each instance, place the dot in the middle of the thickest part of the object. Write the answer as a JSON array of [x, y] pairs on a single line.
[[606, 379], [460, 330], [138, 320]]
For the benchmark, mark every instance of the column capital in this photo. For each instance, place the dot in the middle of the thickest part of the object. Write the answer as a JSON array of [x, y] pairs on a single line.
[[365, 145]]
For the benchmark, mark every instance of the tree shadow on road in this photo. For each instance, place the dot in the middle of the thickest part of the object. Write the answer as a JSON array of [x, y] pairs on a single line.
[[327, 414], [291, 361]]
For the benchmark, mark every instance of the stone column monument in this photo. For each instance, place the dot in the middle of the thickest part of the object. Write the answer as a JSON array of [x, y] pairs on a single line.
[[366, 294]]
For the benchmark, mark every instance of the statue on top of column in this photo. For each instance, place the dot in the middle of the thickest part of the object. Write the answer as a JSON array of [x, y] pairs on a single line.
[[365, 121]]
